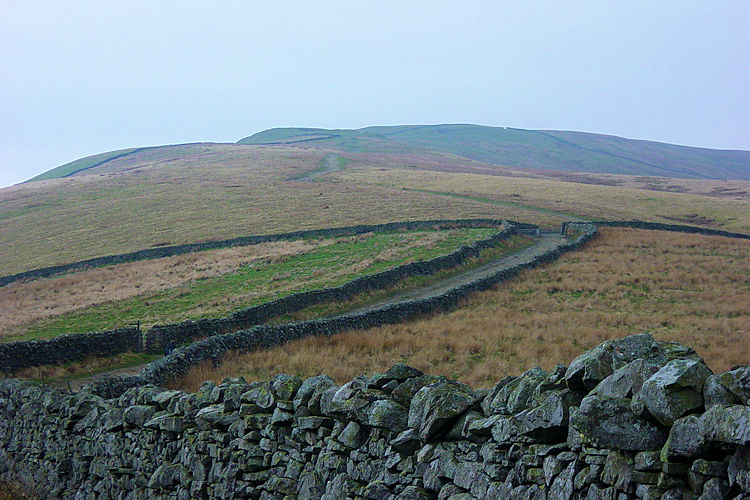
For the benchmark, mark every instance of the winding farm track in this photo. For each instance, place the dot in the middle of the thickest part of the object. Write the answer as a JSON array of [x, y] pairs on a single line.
[[544, 243]]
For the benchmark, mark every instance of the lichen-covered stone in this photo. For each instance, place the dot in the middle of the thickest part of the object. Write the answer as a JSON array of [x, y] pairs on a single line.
[[716, 394], [389, 415], [240, 440], [437, 405], [727, 424], [609, 422], [284, 386], [738, 469], [673, 391], [513, 396], [685, 440], [737, 381], [138, 415]]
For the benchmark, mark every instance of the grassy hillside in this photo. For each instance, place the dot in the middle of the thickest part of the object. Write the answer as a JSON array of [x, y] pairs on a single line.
[[195, 192], [536, 149]]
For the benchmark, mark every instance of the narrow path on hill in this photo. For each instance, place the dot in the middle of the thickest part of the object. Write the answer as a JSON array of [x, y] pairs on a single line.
[[544, 243], [330, 163]]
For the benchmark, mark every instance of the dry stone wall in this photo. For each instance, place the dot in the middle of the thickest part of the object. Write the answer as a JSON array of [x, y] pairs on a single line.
[[159, 336], [631, 418], [66, 348], [169, 251]]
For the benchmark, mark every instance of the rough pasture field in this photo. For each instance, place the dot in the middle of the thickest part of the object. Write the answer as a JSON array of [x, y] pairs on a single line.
[[688, 288], [589, 200], [210, 284], [36, 299]]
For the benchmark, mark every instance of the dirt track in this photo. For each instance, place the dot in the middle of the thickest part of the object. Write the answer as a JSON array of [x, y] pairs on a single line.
[[544, 243]]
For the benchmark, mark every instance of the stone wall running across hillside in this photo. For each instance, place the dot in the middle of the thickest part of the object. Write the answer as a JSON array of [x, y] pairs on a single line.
[[169, 251], [631, 418], [177, 333]]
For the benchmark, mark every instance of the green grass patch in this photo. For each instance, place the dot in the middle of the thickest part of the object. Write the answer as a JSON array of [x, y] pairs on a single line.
[[260, 281]]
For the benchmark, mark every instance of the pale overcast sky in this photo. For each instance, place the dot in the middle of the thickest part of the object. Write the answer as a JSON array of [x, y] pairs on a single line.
[[83, 77]]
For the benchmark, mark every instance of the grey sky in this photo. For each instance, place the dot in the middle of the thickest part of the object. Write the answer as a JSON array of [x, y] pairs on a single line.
[[83, 77]]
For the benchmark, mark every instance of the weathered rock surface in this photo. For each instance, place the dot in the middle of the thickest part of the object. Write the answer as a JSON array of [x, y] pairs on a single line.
[[673, 391], [609, 422]]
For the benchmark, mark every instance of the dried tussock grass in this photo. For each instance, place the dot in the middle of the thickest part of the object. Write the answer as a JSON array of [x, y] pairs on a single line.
[[679, 287], [592, 200], [23, 302], [14, 491]]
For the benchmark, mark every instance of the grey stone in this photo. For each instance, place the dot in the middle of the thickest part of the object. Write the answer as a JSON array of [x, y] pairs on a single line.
[[600, 492], [138, 415], [587, 370], [414, 493], [714, 488], [710, 468], [552, 467], [284, 386], [737, 381], [352, 436], [727, 424], [685, 440], [562, 487], [546, 423], [259, 399], [165, 476], [647, 461], [738, 469], [675, 390], [716, 394], [615, 465], [309, 387], [609, 422], [513, 396], [435, 406], [627, 380], [389, 415], [405, 391]]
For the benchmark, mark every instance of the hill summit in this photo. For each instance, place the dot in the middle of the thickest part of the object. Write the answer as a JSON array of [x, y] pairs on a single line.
[[535, 149]]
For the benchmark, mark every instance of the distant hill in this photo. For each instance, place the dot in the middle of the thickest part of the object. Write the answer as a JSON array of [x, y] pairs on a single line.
[[536, 149]]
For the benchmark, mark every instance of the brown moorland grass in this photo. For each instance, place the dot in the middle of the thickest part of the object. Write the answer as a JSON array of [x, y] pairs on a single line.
[[678, 287], [24, 302], [731, 189], [14, 491], [592, 200]]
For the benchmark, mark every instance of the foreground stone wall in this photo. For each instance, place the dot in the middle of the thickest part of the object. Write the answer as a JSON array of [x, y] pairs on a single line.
[[632, 418]]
